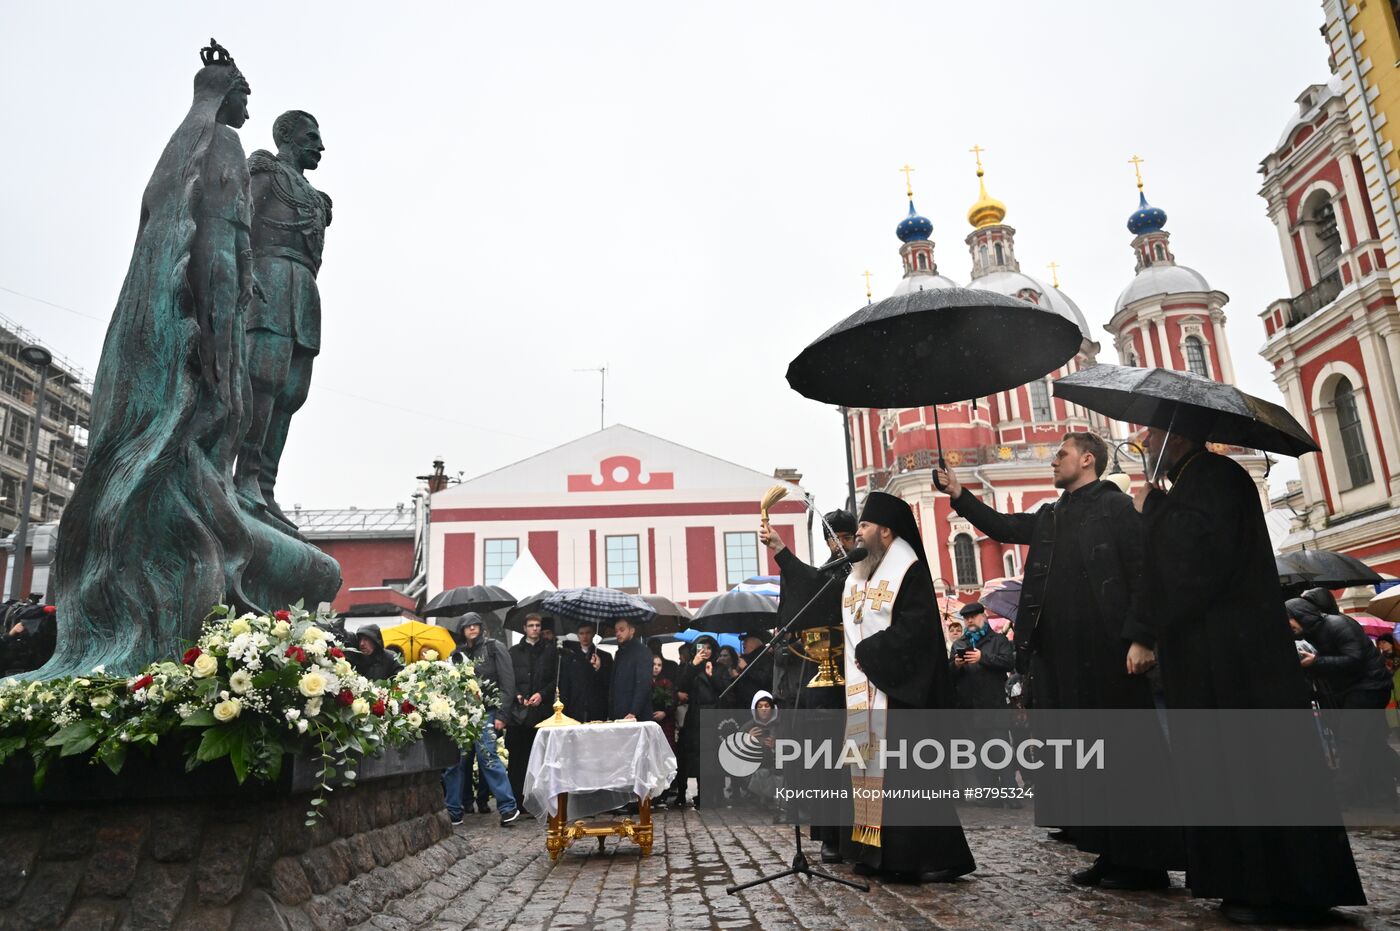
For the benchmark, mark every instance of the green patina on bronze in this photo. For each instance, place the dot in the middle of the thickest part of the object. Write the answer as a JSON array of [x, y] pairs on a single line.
[[155, 533]]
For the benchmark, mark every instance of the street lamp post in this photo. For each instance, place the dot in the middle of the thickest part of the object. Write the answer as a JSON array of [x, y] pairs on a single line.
[[36, 357]]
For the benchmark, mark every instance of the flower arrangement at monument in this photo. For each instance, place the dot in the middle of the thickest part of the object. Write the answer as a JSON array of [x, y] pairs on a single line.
[[252, 689]]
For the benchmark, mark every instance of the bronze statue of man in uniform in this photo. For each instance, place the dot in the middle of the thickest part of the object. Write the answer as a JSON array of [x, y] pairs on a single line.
[[284, 327]]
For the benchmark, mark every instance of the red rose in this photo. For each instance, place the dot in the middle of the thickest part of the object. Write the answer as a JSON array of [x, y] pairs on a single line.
[[283, 615], [406, 707], [297, 654], [346, 698], [141, 683], [337, 652], [377, 709], [192, 654]]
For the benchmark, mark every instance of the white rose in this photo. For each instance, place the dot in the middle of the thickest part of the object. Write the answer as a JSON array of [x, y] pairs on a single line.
[[227, 710], [360, 707], [312, 634], [292, 714], [240, 681], [414, 719], [474, 687], [312, 684], [313, 708], [301, 727], [281, 630], [342, 668], [100, 701], [429, 655], [205, 665], [239, 626]]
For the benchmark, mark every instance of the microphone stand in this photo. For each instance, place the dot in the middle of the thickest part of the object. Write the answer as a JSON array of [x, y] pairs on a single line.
[[800, 865]]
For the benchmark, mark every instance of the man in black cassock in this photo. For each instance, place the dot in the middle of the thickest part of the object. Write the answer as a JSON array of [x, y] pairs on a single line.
[[1079, 626], [799, 584], [1223, 641], [896, 651]]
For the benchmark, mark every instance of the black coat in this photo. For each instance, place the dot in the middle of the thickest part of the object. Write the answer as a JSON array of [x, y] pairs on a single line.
[[381, 664], [1346, 657], [1223, 641], [631, 693], [1110, 545], [800, 583], [586, 691], [983, 684], [536, 667]]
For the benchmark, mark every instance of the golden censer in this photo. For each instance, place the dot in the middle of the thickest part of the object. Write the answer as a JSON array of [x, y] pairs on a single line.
[[821, 649]]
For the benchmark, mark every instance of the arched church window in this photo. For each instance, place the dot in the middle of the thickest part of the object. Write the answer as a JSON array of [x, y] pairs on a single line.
[[1008, 564], [1130, 359], [922, 261], [1329, 240], [982, 253], [965, 560], [1196, 356], [1358, 460], [1161, 252], [1040, 400], [1001, 255]]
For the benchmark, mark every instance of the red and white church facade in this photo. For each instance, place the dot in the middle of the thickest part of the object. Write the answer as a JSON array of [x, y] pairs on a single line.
[[1334, 343], [1001, 446], [618, 508]]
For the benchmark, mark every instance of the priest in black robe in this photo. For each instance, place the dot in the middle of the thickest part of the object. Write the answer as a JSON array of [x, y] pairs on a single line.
[[906, 661], [1223, 641], [1078, 625], [800, 583]]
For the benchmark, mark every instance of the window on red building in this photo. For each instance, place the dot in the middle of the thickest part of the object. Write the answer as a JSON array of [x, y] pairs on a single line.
[[965, 561], [740, 557], [1196, 356], [1040, 400], [1358, 459], [499, 556], [624, 563]]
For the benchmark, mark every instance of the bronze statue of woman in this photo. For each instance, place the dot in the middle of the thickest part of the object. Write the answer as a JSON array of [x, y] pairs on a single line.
[[153, 538]]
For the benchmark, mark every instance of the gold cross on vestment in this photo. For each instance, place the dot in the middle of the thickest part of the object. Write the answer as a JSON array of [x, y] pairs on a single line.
[[879, 595], [854, 598]]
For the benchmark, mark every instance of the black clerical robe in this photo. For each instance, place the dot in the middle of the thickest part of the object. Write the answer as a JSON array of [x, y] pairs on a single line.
[[1223, 641], [908, 662]]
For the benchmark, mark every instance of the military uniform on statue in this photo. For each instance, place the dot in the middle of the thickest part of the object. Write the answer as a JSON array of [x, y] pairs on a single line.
[[896, 660], [800, 583]]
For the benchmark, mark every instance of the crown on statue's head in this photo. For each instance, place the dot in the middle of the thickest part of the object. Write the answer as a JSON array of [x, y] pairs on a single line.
[[215, 54]]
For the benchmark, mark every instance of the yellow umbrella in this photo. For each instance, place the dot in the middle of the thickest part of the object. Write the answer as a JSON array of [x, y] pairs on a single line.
[[413, 637]]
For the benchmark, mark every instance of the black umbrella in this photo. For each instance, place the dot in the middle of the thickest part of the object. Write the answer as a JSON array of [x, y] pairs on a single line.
[[670, 617], [464, 598], [1157, 397], [736, 612], [1324, 569], [934, 347]]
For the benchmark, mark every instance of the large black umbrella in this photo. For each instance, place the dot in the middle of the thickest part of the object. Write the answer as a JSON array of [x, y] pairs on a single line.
[[1159, 397], [670, 617], [1324, 569], [934, 347], [464, 598], [736, 612]]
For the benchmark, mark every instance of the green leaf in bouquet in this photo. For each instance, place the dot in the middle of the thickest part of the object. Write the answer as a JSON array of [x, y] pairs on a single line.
[[74, 739], [216, 743], [203, 718]]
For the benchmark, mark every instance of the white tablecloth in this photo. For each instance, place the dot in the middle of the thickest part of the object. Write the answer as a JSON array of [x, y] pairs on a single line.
[[601, 766]]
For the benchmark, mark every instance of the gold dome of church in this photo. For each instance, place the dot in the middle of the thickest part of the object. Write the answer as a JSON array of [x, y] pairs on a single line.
[[988, 211]]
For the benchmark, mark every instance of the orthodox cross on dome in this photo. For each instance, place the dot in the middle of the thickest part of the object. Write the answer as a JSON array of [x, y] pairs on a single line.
[[1136, 162], [869, 295], [1054, 273], [908, 182], [977, 151]]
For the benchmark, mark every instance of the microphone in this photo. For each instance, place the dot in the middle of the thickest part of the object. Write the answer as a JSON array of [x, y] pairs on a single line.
[[855, 554]]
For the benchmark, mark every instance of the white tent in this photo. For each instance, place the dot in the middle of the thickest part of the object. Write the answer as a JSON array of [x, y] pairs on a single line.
[[525, 578]]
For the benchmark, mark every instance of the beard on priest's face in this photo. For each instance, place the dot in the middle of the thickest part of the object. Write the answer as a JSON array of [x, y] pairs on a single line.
[[876, 539]]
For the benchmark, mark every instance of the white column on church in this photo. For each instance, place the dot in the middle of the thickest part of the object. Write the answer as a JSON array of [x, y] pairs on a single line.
[[1160, 324], [1222, 348]]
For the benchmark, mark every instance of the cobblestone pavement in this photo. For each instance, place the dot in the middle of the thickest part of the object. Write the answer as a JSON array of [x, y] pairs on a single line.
[[505, 880]]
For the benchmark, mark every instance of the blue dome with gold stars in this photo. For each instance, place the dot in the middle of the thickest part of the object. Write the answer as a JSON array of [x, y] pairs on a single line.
[[1147, 218], [914, 228]]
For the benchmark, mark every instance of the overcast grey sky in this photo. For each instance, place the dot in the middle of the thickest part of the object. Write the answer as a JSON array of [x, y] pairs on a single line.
[[687, 192]]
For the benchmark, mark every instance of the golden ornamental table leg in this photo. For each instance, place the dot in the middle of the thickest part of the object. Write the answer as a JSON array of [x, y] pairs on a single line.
[[556, 838], [644, 836]]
